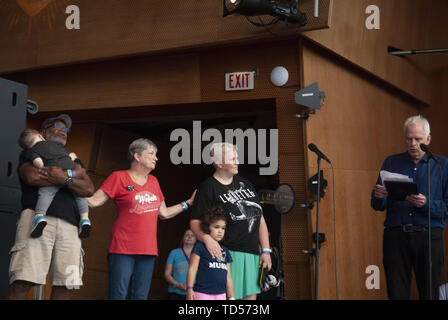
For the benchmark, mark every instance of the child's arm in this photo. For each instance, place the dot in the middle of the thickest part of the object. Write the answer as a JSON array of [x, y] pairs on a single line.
[[191, 275], [73, 156], [38, 163], [34, 158], [229, 285]]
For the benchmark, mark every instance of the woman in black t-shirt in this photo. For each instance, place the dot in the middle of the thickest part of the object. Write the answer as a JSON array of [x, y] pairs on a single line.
[[246, 228]]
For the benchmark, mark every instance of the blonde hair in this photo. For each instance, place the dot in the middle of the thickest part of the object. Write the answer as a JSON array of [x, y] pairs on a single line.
[[219, 150], [27, 138]]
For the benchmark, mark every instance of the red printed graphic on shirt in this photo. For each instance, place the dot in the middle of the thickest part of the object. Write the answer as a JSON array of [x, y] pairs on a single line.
[[145, 202]]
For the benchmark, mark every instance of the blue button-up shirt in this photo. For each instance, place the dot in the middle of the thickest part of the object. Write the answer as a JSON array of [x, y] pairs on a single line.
[[400, 213]]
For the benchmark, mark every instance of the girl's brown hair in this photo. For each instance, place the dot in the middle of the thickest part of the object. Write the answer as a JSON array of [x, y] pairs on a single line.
[[213, 214]]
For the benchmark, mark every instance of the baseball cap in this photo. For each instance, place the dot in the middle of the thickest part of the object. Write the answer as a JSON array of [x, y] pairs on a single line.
[[62, 117]]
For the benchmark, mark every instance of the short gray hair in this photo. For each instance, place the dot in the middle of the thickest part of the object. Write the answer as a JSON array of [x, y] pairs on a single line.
[[414, 120], [138, 146]]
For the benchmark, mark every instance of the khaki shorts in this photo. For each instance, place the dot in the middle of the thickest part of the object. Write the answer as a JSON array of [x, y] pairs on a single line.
[[58, 250]]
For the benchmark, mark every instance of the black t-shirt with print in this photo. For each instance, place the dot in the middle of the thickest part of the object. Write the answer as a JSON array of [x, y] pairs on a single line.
[[63, 205], [242, 207], [52, 153]]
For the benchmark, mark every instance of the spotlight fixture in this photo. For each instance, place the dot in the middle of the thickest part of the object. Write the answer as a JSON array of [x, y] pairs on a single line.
[[280, 10]]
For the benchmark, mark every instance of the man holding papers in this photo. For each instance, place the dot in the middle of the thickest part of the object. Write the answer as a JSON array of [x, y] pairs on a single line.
[[405, 238]]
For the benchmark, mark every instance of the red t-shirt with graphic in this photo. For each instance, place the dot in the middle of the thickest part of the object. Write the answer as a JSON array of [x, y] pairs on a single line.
[[135, 230]]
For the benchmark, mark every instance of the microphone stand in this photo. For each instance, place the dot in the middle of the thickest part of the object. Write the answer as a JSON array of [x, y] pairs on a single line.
[[316, 252], [429, 228]]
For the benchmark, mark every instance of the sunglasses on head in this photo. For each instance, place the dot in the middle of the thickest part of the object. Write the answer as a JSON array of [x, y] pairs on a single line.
[[59, 127]]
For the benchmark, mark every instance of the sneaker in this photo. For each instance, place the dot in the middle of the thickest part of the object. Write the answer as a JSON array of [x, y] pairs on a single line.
[[39, 224], [84, 228]]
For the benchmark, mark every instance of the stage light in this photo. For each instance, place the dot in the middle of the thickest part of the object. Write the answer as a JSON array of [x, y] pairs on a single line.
[[282, 11], [231, 5], [248, 7]]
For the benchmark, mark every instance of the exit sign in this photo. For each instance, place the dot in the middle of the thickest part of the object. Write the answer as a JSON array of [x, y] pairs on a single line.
[[239, 80]]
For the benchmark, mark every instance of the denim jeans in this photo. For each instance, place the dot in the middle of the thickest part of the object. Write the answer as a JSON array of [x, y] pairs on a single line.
[[133, 270]]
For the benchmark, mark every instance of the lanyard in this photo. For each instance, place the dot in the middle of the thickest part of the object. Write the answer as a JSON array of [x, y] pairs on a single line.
[[186, 257]]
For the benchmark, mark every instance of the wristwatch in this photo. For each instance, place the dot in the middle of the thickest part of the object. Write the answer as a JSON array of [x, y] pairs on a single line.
[[69, 180]]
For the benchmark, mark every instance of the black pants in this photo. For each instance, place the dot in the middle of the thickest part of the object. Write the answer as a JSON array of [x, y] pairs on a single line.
[[404, 251]]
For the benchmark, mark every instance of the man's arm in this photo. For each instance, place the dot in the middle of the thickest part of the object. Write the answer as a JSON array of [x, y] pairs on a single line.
[[34, 176], [82, 185], [55, 176]]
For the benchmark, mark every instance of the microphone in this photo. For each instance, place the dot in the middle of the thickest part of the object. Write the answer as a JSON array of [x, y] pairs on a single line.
[[425, 149], [313, 148]]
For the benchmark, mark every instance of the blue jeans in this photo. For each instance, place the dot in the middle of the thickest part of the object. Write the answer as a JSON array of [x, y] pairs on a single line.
[[135, 270]]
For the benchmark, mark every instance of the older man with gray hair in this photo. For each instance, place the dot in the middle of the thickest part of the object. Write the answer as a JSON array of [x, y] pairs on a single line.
[[405, 238]]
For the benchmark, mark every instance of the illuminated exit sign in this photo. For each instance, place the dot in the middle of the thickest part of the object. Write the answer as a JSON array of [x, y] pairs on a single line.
[[240, 80]]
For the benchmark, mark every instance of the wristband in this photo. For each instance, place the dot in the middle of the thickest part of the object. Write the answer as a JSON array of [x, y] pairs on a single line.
[[184, 205], [232, 298], [267, 250], [74, 173], [69, 180], [189, 287]]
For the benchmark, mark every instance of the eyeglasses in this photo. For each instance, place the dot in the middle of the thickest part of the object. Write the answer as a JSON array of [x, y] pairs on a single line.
[[59, 127]]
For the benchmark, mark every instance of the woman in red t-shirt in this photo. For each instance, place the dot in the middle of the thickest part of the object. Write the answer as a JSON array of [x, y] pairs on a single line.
[[139, 202]]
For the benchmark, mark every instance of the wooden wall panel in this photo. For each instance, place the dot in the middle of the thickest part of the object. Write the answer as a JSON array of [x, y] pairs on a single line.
[[115, 28], [405, 24], [359, 125], [262, 58], [295, 233], [113, 156], [152, 26], [80, 141], [437, 113], [132, 82]]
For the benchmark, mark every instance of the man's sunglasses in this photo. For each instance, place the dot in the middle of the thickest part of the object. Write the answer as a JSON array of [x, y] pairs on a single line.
[[59, 127]]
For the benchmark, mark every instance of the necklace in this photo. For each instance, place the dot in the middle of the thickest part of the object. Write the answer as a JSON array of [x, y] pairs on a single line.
[[137, 181]]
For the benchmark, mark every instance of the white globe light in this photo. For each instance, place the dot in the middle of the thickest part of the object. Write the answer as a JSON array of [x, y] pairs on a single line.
[[279, 76]]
